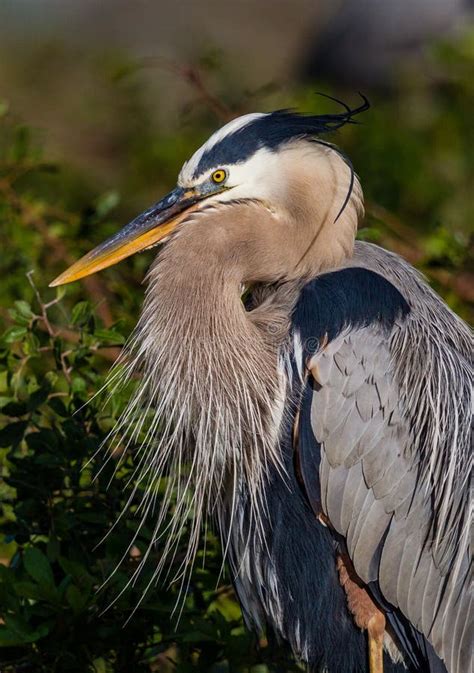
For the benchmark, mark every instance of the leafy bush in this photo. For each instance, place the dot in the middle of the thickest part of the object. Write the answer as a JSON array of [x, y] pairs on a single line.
[[66, 599]]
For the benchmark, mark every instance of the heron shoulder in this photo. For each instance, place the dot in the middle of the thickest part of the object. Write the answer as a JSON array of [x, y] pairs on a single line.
[[429, 312], [348, 298]]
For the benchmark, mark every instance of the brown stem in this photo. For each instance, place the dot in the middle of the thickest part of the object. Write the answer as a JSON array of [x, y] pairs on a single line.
[[405, 241], [193, 77], [43, 307], [94, 286]]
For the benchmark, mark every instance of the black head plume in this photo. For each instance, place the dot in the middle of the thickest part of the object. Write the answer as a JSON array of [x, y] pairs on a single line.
[[274, 129]]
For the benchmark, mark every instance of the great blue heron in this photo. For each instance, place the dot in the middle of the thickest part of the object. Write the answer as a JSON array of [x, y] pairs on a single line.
[[319, 392]]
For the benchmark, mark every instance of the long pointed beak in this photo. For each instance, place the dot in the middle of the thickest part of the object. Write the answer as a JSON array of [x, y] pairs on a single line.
[[146, 230]]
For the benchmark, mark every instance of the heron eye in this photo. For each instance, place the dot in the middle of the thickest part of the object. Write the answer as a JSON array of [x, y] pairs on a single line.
[[219, 176]]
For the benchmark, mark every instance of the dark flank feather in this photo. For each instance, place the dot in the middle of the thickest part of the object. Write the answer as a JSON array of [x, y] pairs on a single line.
[[298, 558]]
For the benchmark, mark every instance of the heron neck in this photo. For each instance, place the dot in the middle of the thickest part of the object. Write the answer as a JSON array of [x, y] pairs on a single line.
[[209, 367], [197, 283]]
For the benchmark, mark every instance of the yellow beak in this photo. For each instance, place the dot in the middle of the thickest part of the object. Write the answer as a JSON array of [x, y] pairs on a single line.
[[146, 230]]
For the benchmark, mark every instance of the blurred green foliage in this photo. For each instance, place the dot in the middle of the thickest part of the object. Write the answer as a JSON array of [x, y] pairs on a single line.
[[58, 575], [66, 601]]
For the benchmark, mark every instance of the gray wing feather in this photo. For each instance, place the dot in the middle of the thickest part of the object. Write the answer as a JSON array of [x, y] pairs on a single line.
[[353, 527], [368, 401], [349, 431], [352, 502], [380, 460], [365, 547], [337, 480], [463, 635], [324, 472], [431, 592], [417, 587], [370, 489], [407, 572]]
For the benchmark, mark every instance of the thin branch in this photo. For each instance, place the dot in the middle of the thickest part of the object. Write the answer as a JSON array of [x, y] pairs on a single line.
[[406, 242], [192, 76], [43, 307], [93, 284]]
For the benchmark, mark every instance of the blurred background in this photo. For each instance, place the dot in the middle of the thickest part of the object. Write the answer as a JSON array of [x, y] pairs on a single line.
[[100, 103]]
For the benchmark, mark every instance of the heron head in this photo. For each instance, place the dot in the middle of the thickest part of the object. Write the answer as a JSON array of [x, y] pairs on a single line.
[[275, 160]]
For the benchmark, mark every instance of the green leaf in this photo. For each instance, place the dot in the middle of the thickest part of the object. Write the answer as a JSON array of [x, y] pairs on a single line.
[[24, 309], [81, 313], [100, 665], [109, 335], [14, 334], [76, 598], [38, 397], [58, 406], [60, 292], [29, 590], [12, 636], [38, 567], [12, 434], [78, 385], [14, 409], [107, 202], [75, 569], [31, 344], [9, 638]]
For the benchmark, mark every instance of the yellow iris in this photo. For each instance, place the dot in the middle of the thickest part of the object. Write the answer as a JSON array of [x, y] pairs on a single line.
[[219, 176]]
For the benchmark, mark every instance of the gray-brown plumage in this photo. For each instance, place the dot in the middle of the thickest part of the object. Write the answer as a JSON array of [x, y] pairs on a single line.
[[378, 465]]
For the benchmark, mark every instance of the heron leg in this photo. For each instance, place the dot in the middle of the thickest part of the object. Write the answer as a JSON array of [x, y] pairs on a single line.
[[367, 615], [375, 630]]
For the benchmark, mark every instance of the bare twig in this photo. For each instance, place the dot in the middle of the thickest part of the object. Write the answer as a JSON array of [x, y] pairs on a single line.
[[94, 286], [194, 78], [406, 242], [43, 307]]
